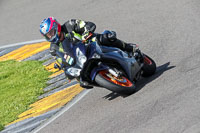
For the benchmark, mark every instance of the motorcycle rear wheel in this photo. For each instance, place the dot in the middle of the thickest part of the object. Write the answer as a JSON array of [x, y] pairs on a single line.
[[149, 67], [116, 84]]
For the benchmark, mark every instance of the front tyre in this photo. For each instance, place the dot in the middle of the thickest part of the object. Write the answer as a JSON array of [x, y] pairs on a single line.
[[116, 84]]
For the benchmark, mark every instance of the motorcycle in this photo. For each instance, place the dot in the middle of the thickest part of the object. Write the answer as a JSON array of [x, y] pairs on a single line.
[[95, 65]]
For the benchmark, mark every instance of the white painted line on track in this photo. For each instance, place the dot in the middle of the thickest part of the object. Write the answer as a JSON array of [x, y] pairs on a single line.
[[22, 43], [66, 108]]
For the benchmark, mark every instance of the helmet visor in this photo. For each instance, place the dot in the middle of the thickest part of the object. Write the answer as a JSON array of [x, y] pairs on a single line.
[[51, 34]]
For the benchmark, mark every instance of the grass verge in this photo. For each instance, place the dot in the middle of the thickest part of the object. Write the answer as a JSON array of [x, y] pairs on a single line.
[[1, 127], [20, 85]]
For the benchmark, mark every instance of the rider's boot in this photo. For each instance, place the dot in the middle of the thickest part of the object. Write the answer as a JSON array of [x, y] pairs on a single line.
[[129, 47], [110, 39], [134, 51]]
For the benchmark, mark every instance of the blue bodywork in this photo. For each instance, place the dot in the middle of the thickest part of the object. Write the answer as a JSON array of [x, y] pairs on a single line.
[[93, 51]]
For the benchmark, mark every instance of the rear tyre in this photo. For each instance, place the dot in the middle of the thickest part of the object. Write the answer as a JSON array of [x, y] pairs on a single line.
[[120, 85], [149, 67]]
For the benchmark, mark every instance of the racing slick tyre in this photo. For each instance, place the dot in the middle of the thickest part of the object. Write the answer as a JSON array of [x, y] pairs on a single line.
[[149, 67], [120, 84]]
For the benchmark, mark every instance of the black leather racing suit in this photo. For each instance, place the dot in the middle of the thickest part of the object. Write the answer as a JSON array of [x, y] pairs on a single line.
[[78, 29]]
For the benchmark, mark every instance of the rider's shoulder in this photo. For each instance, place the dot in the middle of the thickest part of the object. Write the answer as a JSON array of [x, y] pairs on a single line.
[[71, 21]]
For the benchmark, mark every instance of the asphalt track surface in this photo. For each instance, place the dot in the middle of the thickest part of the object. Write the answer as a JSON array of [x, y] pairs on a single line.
[[166, 30]]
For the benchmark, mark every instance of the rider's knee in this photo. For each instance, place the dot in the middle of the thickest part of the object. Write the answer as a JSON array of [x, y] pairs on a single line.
[[107, 38]]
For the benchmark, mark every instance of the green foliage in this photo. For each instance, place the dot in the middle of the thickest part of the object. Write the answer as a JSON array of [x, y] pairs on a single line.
[[1, 127], [20, 85]]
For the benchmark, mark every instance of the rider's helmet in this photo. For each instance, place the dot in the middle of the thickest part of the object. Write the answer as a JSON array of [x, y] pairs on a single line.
[[50, 29]]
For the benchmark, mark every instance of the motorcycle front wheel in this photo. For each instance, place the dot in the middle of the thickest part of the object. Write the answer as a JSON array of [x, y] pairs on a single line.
[[120, 84]]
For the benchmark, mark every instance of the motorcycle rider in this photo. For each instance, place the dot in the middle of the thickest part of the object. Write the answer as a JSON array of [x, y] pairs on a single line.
[[77, 30]]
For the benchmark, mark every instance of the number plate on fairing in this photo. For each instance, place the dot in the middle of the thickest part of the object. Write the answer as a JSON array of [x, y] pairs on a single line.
[[69, 59]]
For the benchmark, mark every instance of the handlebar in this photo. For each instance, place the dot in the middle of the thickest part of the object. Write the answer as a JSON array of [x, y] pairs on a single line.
[[90, 34]]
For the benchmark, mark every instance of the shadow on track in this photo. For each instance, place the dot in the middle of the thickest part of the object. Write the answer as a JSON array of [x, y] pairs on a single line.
[[143, 81]]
